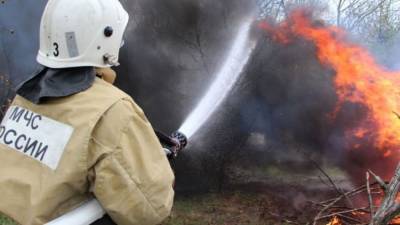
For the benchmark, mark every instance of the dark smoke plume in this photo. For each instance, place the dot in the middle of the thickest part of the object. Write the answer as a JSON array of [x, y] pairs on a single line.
[[172, 51]]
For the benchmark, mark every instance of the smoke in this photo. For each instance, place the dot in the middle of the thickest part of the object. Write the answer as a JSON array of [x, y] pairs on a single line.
[[172, 54], [173, 51], [362, 150], [295, 90], [388, 52], [283, 103], [278, 110]]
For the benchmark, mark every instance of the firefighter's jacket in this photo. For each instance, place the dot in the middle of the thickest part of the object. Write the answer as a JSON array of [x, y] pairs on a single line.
[[54, 156]]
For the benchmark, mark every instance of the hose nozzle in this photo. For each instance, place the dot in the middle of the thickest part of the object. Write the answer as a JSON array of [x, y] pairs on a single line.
[[172, 144], [180, 138]]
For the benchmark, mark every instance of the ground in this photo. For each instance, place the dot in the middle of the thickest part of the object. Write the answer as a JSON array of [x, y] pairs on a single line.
[[222, 209], [229, 209], [271, 195]]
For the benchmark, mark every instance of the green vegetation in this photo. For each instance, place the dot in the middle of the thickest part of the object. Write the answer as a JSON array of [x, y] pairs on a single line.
[[213, 209], [234, 208], [210, 209], [6, 221]]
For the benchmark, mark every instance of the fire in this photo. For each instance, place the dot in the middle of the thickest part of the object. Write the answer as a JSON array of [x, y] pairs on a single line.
[[359, 79], [358, 213], [395, 221], [335, 221]]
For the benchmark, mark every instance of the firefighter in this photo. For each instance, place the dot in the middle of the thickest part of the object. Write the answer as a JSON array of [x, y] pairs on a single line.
[[70, 135]]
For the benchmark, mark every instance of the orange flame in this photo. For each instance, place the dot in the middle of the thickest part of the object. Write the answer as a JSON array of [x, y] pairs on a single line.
[[359, 79], [358, 213], [395, 221], [335, 221]]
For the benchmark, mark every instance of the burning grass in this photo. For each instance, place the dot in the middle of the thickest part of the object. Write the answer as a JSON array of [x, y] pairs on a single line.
[[373, 141], [358, 80]]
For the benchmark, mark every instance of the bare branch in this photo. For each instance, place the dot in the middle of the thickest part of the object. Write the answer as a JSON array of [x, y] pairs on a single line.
[[389, 208], [379, 180], [371, 206]]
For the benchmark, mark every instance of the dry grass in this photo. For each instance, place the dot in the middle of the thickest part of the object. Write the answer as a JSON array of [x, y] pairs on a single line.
[[224, 209]]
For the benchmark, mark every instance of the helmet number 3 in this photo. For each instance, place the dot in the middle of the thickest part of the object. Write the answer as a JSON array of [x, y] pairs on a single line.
[[56, 52]]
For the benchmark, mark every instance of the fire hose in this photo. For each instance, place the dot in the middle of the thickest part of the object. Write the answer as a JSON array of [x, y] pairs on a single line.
[[92, 211]]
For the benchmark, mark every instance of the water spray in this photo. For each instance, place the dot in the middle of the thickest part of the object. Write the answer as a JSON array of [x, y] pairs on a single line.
[[225, 79], [229, 73]]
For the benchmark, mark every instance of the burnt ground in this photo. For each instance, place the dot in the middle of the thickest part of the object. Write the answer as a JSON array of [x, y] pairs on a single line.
[[274, 194]]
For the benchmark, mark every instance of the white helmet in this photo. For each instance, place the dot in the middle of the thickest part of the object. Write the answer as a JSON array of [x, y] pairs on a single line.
[[75, 33]]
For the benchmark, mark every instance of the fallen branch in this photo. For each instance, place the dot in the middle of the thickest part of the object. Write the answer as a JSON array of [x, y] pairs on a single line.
[[379, 180], [371, 206], [382, 215], [363, 209], [331, 208], [353, 192], [319, 215], [389, 208]]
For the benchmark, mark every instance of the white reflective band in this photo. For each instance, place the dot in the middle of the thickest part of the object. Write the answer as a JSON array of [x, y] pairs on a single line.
[[34, 135]]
